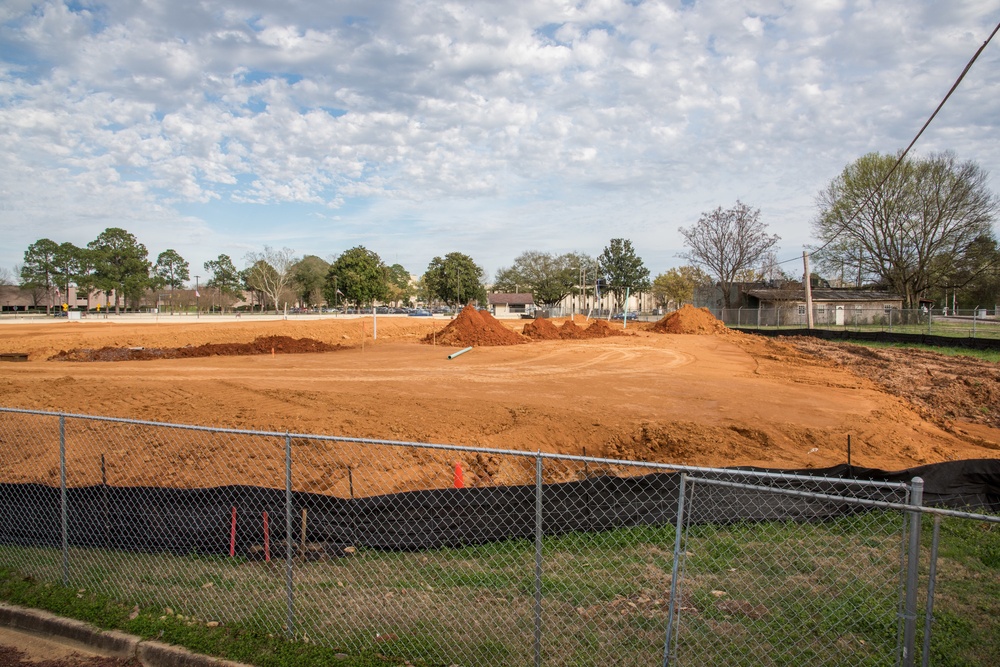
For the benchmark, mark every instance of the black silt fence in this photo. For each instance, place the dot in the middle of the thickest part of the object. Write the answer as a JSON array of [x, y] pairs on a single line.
[[199, 521]]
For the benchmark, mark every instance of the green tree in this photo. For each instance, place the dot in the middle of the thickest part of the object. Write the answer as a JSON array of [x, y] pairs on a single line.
[[69, 266], [121, 265], [38, 271], [400, 289], [677, 285], [975, 279], [913, 230], [550, 278], [455, 279], [728, 242], [248, 286], [359, 275], [224, 277], [622, 270], [171, 270], [309, 279]]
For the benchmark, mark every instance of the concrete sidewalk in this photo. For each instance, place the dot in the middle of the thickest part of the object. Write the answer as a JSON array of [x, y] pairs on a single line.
[[56, 634]]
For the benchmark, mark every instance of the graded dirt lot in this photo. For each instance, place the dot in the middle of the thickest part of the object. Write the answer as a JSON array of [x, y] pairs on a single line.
[[719, 398]]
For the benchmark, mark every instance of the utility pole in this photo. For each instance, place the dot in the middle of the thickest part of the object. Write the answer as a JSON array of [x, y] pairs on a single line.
[[808, 283]]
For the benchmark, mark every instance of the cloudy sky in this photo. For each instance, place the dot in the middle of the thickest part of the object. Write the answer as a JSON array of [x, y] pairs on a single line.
[[420, 128]]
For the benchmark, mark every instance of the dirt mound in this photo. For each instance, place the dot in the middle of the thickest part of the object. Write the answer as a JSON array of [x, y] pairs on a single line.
[[570, 330], [690, 320], [261, 345], [475, 327], [541, 329], [600, 329]]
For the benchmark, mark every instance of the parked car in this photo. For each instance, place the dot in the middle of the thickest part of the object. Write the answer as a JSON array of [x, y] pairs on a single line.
[[621, 316], [420, 312]]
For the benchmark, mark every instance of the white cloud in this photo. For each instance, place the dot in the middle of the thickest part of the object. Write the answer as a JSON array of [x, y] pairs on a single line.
[[420, 124]]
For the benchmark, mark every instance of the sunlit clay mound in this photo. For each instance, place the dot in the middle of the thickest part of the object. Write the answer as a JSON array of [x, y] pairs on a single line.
[[690, 320], [541, 329], [475, 327]]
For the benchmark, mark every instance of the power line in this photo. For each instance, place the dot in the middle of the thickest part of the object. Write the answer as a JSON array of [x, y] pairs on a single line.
[[902, 155]]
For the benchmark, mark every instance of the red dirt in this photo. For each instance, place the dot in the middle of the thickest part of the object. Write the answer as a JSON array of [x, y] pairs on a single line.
[[475, 328], [541, 329], [263, 345], [704, 400], [600, 329], [690, 320]]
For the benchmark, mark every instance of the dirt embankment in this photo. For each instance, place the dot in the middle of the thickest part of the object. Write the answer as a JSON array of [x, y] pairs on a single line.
[[944, 388]]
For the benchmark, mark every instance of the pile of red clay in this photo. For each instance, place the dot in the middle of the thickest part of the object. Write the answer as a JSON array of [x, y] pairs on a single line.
[[475, 327], [261, 345], [690, 320], [541, 329], [599, 329]]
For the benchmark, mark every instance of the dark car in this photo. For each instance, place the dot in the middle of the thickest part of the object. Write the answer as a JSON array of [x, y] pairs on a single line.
[[420, 312]]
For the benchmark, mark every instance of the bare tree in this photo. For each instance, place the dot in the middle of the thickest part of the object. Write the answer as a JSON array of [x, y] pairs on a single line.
[[914, 230], [727, 242], [270, 272]]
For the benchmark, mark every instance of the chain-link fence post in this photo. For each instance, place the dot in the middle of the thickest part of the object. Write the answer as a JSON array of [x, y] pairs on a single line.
[[912, 574], [538, 559], [63, 501], [674, 573], [289, 549], [925, 658]]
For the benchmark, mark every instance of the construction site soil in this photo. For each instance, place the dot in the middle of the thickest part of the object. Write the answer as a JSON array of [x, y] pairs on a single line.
[[719, 399]]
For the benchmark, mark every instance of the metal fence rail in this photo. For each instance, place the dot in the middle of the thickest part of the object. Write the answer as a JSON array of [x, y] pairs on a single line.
[[340, 541], [976, 323]]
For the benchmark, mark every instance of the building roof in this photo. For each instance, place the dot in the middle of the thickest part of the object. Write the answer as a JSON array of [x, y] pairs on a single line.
[[503, 298], [823, 294]]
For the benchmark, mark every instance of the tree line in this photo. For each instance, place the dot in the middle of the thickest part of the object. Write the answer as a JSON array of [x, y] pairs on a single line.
[[919, 227]]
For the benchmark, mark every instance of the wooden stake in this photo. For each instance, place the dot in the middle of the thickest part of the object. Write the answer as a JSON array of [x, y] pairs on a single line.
[[232, 536], [267, 540], [350, 479], [303, 531]]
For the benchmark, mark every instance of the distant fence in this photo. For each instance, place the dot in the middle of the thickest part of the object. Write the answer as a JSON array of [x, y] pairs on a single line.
[[978, 324], [628, 565]]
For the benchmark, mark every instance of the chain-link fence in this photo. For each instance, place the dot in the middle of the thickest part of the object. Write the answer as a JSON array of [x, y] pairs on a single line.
[[974, 323], [352, 544]]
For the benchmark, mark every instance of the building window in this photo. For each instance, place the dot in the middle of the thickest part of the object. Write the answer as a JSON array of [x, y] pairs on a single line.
[[802, 310], [886, 308]]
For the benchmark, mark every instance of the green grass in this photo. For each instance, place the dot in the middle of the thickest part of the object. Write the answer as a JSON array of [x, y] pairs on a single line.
[[772, 593]]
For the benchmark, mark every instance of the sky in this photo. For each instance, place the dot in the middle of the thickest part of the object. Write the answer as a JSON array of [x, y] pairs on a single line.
[[492, 128]]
